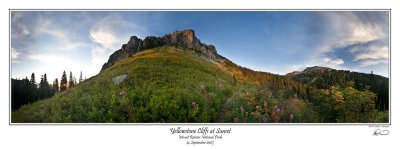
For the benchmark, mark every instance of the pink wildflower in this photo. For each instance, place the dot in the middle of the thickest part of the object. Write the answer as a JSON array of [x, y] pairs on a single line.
[[122, 93], [278, 110]]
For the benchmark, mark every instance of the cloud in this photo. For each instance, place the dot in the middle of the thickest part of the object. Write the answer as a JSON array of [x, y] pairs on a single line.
[[14, 53], [361, 37], [19, 29], [372, 62], [104, 38], [334, 62], [62, 37], [39, 31], [372, 52], [350, 28], [108, 34], [105, 32], [99, 55], [48, 58], [370, 55]]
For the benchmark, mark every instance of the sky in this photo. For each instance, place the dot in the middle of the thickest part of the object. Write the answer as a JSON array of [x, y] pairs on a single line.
[[272, 41]]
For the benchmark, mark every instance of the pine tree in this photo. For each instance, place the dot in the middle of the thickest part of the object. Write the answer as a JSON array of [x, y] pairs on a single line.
[[47, 89], [33, 81], [71, 80], [63, 83], [32, 88]]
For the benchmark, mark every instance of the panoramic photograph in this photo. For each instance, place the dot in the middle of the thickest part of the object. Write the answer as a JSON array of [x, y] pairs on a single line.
[[240, 67]]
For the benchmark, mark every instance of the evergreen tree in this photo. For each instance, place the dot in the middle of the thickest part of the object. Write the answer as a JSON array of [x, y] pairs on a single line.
[[47, 89], [63, 83], [20, 93], [32, 88], [33, 81], [71, 80]]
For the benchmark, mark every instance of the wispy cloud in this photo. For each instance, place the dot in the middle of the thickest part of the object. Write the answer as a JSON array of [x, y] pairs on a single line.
[[14, 54], [108, 34], [48, 58], [38, 31], [19, 29], [63, 38], [333, 62], [370, 52], [361, 35], [372, 62]]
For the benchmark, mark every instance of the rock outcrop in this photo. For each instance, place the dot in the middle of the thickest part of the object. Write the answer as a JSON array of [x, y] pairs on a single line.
[[185, 40], [133, 46]]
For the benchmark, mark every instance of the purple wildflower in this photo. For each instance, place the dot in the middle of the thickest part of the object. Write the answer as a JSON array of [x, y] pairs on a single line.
[[122, 93], [278, 110]]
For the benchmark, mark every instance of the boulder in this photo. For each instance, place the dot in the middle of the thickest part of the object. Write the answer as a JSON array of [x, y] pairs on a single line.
[[119, 79]]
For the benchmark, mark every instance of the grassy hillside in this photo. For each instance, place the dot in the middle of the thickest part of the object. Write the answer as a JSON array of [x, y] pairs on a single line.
[[163, 85]]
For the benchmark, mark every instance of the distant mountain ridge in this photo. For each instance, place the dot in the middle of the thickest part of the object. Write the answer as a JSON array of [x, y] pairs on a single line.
[[185, 39]]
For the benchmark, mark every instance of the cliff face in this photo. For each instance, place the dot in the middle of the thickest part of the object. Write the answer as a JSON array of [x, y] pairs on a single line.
[[185, 39]]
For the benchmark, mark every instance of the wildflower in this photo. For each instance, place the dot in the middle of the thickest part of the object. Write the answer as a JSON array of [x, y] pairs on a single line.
[[122, 93], [278, 110]]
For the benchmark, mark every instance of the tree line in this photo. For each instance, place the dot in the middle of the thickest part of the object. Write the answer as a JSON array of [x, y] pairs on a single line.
[[326, 78], [26, 90]]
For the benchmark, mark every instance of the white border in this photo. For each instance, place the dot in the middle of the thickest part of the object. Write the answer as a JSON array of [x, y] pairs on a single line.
[[150, 136]]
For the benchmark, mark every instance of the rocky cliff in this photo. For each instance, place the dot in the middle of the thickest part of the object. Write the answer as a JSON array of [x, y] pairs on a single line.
[[185, 40]]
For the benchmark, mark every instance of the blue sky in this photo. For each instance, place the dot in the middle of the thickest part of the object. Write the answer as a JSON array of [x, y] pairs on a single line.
[[277, 42]]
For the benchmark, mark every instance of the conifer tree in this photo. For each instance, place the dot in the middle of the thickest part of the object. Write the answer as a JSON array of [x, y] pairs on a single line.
[[71, 80], [32, 88], [63, 83]]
